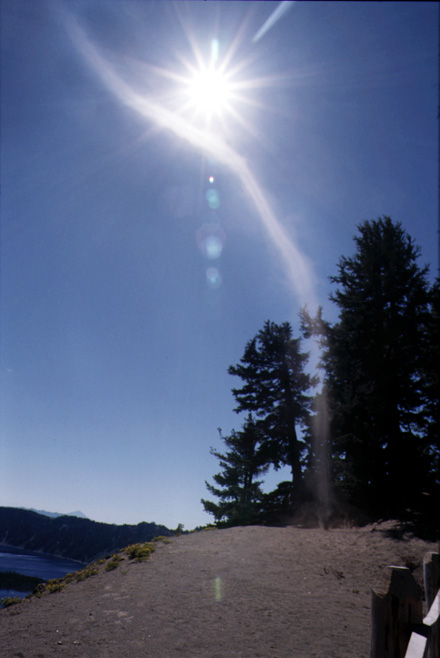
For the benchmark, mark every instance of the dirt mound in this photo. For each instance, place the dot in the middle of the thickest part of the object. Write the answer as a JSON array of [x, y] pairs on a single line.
[[238, 592]]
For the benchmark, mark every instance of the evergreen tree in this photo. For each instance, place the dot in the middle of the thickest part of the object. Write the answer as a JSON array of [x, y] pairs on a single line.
[[239, 493], [431, 380], [374, 369], [274, 390]]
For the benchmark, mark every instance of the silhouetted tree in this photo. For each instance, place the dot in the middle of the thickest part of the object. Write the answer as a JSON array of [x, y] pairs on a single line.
[[374, 369], [431, 381], [239, 493], [274, 390]]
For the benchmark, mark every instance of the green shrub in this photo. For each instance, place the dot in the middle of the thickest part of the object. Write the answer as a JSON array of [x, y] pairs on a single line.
[[55, 585], [39, 590], [10, 600], [86, 573], [114, 563], [139, 552], [162, 539]]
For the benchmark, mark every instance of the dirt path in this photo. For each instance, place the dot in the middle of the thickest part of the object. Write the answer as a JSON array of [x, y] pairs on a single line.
[[241, 592]]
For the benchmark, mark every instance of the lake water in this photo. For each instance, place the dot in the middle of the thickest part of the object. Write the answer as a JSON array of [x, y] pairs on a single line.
[[30, 563]]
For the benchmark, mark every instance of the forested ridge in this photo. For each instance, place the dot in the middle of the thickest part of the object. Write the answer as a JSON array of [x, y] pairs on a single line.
[[361, 436], [70, 536]]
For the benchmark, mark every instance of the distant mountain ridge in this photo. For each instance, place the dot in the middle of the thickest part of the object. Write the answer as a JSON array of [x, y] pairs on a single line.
[[53, 515], [70, 536]]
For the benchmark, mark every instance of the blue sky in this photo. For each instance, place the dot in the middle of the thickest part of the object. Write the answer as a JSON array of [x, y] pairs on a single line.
[[126, 291]]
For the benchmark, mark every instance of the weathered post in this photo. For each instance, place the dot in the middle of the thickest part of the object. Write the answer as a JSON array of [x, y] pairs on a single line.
[[396, 606], [431, 575], [432, 624]]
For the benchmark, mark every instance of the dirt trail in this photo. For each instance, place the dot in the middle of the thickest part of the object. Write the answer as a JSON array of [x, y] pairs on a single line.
[[241, 592]]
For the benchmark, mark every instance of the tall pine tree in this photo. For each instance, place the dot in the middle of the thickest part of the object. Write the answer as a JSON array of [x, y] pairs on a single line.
[[374, 364], [431, 385], [275, 391]]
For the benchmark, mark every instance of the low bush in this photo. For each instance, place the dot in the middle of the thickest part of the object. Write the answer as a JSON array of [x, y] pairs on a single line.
[[55, 585], [139, 552], [161, 538], [113, 563], [86, 573], [9, 600]]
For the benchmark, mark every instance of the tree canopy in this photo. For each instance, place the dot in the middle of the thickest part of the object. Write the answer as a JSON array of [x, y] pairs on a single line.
[[238, 490], [370, 436], [274, 390], [375, 370]]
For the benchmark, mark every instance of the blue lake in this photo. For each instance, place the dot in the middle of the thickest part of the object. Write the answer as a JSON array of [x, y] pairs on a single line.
[[30, 563]]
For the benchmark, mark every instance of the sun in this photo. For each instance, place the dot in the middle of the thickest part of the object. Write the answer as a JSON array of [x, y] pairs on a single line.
[[218, 92], [209, 92], [210, 87]]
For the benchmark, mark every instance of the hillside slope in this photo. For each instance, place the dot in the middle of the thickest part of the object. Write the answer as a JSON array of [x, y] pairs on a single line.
[[241, 592], [70, 536]]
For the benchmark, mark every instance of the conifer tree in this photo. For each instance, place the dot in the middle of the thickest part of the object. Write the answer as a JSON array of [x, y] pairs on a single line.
[[431, 383], [374, 366], [238, 491], [275, 390]]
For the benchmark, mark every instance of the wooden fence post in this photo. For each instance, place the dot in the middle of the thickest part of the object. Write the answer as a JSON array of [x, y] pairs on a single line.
[[431, 575], [396, 606], [432, 623]]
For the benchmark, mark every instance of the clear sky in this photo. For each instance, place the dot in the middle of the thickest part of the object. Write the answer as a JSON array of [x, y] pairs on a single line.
[[148, 232]]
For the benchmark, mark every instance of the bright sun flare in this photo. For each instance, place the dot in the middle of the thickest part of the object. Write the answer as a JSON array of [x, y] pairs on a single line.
[[209, 91], [210, 86]]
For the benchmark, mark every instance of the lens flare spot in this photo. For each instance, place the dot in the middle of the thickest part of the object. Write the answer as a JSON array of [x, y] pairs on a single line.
[[215, 48], [214, 247], [218, 589], [210, 240], [214, 281], [213, 198], [211, 179]]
